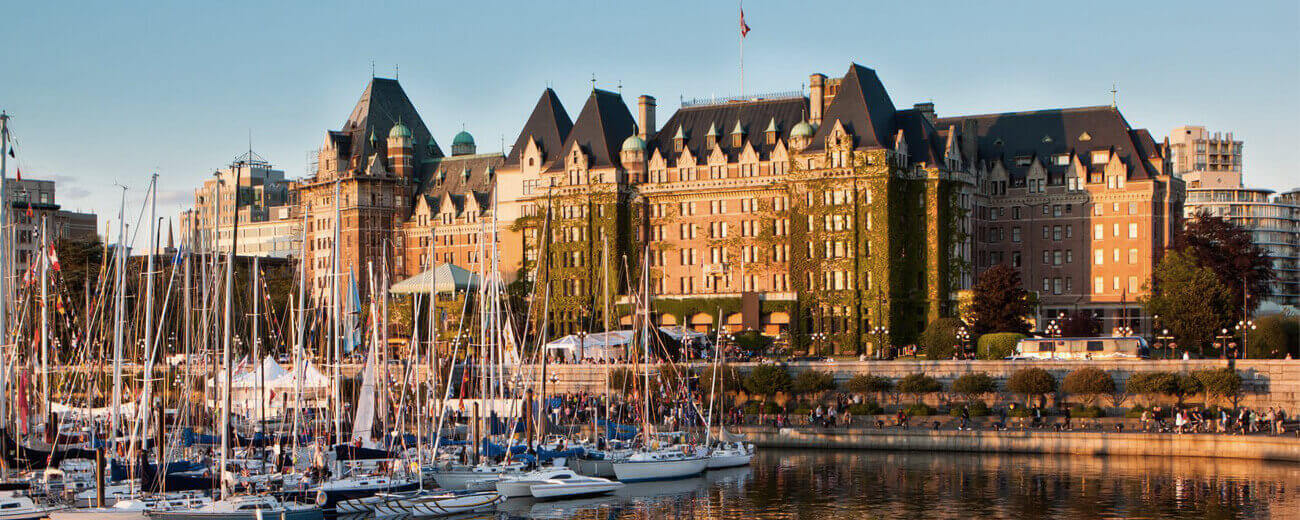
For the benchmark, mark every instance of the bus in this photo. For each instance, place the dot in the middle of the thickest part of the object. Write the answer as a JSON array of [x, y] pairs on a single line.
[[1082, 348]]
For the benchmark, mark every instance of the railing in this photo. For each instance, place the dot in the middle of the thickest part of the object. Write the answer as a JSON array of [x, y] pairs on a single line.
[[696, 102]]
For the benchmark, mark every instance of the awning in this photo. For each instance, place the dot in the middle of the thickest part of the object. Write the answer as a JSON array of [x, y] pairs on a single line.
[[444, 278]]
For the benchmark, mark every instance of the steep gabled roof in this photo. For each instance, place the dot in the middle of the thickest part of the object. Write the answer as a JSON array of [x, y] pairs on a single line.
[[754, 117], [549, 125], [482, 170], [382, 104], [924, 143], [863, 107], [602, 125], [1045, 133]]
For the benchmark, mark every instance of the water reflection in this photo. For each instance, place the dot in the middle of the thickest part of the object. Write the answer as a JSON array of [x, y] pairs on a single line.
[[867, 485]]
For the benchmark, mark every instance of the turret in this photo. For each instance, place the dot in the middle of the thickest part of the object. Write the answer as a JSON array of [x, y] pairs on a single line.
[[400, 151]]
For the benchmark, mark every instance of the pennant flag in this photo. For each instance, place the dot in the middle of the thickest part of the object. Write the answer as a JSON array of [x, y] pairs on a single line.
[[29, 209], [54, 258], [11, 151], [20, 170], [744, 27]]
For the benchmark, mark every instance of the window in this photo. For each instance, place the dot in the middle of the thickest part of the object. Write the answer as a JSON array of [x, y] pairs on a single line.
[[1015, 259], [1096, 209], [1056, 232], [1115, 255], [1046, 232], [1114, 285], [1069, 231], [1099, 257], [1047, 257], [1115, 230], [1069, 256], [1098, 285], [1133, 256], [1133, 230], [1046, 346], [1098, 232], [1094, 346], [1133, 286], [1015, 234]]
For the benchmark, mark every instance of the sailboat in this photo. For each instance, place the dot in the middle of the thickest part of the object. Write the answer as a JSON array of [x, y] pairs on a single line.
[[653, 462], [729, 452]]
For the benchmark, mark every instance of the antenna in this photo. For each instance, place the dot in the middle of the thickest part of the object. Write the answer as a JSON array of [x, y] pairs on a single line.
[[620, 87], [593, 81], [1113, 97]]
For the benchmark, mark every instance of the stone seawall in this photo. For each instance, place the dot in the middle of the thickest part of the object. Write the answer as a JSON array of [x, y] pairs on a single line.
[[1285, 448], [1264, 382]]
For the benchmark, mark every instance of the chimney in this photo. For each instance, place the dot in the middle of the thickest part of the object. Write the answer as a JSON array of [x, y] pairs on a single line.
[[646, 116], [817, 99], [969, 141], [927, 110]]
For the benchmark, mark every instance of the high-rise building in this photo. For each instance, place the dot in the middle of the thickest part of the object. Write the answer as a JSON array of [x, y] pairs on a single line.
[[1274, 225], [262, 204], [1204, 159], [33, 205]]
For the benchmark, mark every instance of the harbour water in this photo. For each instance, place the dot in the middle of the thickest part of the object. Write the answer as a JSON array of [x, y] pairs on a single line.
[[841, 485]]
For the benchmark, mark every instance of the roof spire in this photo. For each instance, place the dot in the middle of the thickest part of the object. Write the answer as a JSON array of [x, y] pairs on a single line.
[[372, 69], [1113, 92], [396, 75], [593, 82]]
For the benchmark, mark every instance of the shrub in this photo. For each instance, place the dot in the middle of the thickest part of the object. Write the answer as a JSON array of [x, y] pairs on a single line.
[[1187, 385], [752, 341], [767, 380], [813, 381], [976, 408], [998, 345], [1022, 411], [1135, 412], [1220, 382], [866, 408], [919, 383], [1152, 383], [974, 383], [1088, 382], [939, 338], [867, 383], [1086, 412], [752, 407], [1031, 382], [919, 410], [770, 407]]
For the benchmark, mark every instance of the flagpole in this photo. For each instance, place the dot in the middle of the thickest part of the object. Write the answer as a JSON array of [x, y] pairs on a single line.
[[742, 49]]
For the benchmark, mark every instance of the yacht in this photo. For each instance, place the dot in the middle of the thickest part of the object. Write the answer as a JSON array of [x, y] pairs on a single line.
[[568, 484], [730, 455], [244, 507], [17, 506], [461, 477], [136, 508], [357, 495], [663, 464]]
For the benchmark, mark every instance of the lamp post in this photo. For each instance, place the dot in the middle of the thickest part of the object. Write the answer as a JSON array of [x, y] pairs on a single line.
[[1222, 342], [963, 336], [1166, 340], [1054, 327], [880, 331], [1243, 328]]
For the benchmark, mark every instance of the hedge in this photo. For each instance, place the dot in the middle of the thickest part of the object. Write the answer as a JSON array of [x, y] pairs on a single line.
[[998, 345]]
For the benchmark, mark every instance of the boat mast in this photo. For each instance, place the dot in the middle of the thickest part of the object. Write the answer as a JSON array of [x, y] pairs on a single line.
[[45, 329], [255, 280], [229, 318], [146, 402], [302, 329], [118, 300], [4, 262], [338, 322]]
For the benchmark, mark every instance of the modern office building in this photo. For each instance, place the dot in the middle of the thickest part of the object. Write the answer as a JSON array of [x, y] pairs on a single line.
[[33, 208], [1204, 159], [262, 203], [1273, 222]]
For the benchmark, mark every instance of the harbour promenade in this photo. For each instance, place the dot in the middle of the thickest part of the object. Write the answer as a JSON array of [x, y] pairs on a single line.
[[1092, 443]]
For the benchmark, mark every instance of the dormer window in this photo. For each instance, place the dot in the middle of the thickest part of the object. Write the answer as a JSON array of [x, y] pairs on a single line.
[[1100, 157], [1061, 159], [1024, 160]]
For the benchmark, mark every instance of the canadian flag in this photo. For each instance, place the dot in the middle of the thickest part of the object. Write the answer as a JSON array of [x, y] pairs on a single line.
[[54, 258]]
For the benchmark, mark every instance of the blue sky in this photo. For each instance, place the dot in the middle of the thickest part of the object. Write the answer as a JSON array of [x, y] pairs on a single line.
[[105, 93]]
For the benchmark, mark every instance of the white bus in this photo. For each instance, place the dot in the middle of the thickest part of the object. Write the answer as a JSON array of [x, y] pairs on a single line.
[[1081, 348]]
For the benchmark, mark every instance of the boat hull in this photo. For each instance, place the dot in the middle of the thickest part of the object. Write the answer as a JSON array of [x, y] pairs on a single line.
[[512, 488], [105, 513], [730, 460], [592, 467], [30, 514], [645, 471], [554, 491], [438, 505], [290, 514]]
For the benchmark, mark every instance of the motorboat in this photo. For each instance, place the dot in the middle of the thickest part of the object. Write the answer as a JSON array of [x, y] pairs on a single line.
[[17, 506], [244, 507], [136, 508], [435, 503], [459, 478], [730, 455], [567, 484], [357, 494], [662, 464]]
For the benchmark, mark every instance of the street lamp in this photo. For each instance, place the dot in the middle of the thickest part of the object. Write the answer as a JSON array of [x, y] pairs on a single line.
[[1165, 340], [880, 331], [1243, 327], [963, 336], [1222, 342]]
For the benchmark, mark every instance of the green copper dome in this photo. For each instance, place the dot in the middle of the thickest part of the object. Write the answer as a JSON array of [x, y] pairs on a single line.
[[462, 138], [633, 143], [399, 131], [803, 129]]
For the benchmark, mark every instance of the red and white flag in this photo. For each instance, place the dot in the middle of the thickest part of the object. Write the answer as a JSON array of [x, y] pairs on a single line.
[[54, 258], [744, 27], [20, 170]]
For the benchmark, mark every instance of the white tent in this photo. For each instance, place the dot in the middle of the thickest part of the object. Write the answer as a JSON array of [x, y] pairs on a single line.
[[313, 379], [270, 371], [683, 333], [596, 346]]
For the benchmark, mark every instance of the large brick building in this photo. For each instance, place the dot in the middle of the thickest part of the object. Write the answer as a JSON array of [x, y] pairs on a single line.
[[835, 215]]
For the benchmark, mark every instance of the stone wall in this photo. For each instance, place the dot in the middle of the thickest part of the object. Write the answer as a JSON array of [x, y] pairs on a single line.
[[1073, 443], [1264, 382]]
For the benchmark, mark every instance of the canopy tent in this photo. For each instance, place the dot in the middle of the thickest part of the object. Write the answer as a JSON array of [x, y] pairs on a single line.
[[276, 390], [597, 345], [313, 379], [683, 334], [445, 278]]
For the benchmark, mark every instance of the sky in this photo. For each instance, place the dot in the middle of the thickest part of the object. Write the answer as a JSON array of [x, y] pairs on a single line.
[[106, 94]]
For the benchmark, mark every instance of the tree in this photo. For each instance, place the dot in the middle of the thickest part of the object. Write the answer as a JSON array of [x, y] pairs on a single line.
[[752, 341], [998, 345], [1189, 298], [1088, 382], [1220, 382], [1031, 382], [729, 379], [1080, 324], [974, 383], [867, 383], [1152, 383], [813, 381], [1001, 303], [940, 338], [767, 380], [79, 262], [1229, 252], [1273, 337]]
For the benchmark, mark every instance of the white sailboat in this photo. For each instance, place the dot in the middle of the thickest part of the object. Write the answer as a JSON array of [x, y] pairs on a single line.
[[555, 483]]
